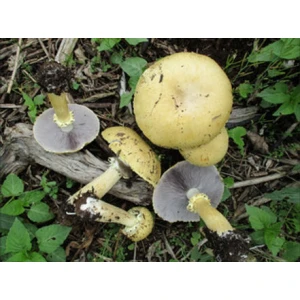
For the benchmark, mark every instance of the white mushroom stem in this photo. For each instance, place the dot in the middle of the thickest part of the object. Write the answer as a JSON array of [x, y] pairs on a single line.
[[103, 183], [138, 221], [63, 116], [214, 220]]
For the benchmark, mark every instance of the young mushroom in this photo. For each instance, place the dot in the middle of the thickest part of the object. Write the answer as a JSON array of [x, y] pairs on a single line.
[[138, 221], [208, 154], [187, 193], [65, 127], [133, 154], [182, 101]]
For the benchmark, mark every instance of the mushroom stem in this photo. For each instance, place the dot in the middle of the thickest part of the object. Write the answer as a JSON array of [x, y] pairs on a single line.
[[138, 221], [103, 183], [214, 220], [63, 116]]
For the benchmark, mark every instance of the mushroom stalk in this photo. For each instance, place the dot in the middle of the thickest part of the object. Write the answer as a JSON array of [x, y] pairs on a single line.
[[138, 221], [214, 220], [103, 183], [63, 117]]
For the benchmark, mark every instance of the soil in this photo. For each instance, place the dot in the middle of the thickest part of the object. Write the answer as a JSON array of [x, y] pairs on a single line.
[[100, 92]]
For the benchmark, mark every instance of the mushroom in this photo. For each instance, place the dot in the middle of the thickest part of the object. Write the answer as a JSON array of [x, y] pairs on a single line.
[[65, 127], [138, 221], [186, 193], [208, 154], [182, 101], [133, 153]]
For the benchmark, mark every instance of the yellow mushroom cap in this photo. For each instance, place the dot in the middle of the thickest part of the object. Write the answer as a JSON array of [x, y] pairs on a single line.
[[183, 100], [208, 154], [134, 151], [144, 226]]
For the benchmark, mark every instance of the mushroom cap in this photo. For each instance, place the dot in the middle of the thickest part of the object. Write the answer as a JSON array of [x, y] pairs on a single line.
[[133, 151], [144, 226], [208, 154], [169, 198], [182, 100], [53, 139]]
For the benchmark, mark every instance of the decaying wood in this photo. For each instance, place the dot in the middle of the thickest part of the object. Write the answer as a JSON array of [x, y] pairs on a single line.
[[20, 149]]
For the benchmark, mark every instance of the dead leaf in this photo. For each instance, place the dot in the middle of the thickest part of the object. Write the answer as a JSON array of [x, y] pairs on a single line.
[[258, 142]]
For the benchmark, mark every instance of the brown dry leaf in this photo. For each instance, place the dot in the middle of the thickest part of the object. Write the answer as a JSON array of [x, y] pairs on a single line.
[[258, 142]]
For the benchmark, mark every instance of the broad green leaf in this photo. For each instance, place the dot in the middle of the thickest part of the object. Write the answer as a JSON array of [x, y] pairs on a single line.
[[108, 44], [236, 134], [257, 237], [271, 233], [290, 194], [125, 98], [273, 73], [133, 66], [28, 101], [276, 245], [259, 218], [276, 94], [36, 257], [291, 251], [266, 53], [286, 108], [13, 208], [245, 89], [12, 186], [31, 228], [59, 255], [19, 257], [32, 197], [2, 245], [290, 49], [116, 58], [18, 238], [6, 222], [51, 237], [134, 42], [132, 82], [40, 212]]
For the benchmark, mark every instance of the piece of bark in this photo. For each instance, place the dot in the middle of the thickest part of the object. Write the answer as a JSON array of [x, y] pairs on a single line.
[[20, 149]]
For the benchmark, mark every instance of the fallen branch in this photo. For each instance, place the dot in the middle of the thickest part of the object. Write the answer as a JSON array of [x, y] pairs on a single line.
[[20, 149]]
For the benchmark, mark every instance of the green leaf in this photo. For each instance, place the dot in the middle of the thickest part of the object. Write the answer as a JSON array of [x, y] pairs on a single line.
[[51, 237], [59, 255], [257, 237], [291, 251], [133, 66], [108, 44], [31, 228], [13, 208], [259, 218], [276, 94], [276, 245], [39, 99], [195, 238], [18, 238], [132, 82], [236, 134], [40, 212], [28, 101], [290, 49], [125, 98], [290, 194], [12, 186], [245, 89], [116, 58], [274, 73], [6, 222], [286, 108], [266, 54], [134, 42], [270, 234], [32, 197], [19, 257], [2, 245]]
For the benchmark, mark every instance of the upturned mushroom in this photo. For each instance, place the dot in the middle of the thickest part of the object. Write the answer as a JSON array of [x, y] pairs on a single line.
[[138, 221], [182, 101], [208, 154], [65, 127], [133, 154], [186, 193]]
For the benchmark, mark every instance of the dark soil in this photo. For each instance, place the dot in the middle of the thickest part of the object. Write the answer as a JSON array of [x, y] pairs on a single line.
[[87, 238]]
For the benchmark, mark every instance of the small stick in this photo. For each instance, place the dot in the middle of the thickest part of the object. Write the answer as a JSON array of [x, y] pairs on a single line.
[[44, 48], [13, 75]]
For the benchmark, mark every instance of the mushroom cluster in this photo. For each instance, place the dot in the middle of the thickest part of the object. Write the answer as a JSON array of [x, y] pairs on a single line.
[[183, 101], [65, 127]]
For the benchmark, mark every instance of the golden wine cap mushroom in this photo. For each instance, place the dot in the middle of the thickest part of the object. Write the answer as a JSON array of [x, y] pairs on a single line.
[[182, 100], [133, 151], [208, 154]]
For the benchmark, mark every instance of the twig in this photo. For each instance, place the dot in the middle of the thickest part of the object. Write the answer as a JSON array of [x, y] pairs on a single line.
[[44, 48], [65, 49], [13, 75]]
